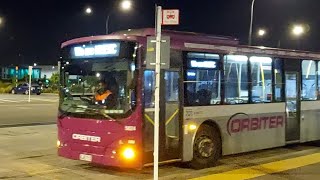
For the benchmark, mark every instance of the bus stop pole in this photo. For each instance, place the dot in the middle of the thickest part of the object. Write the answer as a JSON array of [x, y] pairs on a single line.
[[157, 95], [30, 73]]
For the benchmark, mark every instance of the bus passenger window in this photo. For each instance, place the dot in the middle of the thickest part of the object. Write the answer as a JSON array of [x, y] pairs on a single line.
[[308, 80], [278, 80], [236, 79], [202, 80], [318, 80], [261, 78]]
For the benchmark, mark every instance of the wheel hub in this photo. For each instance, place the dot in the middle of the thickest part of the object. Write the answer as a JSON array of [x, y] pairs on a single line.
[[205, 147]]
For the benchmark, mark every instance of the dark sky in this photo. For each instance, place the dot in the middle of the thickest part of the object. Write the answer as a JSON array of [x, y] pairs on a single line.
[[33, 30]]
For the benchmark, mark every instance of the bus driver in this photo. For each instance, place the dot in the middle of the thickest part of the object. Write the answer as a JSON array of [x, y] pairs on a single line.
[[104, 95]]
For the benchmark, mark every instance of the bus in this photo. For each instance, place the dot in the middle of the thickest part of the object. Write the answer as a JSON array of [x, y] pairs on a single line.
[[217, 98]]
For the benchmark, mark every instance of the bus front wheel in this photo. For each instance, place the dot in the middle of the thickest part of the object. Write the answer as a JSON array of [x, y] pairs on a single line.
[[206, 148]]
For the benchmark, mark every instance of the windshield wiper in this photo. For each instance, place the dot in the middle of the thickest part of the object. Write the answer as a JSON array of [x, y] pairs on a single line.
[[88, 110], [66, 112], [100, 112]]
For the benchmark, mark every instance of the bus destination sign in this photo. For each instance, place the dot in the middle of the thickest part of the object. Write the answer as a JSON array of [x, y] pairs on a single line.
[[96, 50]]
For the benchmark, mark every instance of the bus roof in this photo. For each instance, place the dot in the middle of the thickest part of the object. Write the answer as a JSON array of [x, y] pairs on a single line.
[[179, 35], [199, 42], [182, 35]]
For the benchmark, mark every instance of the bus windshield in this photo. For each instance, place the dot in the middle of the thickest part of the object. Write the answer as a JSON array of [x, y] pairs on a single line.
[[98, 88]]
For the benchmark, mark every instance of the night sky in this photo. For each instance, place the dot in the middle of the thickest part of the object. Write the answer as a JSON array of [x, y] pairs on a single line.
[[33, 30]]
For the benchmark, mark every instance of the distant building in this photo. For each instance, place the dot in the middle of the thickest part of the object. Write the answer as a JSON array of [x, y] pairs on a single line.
[[38, 72], [47, 70]]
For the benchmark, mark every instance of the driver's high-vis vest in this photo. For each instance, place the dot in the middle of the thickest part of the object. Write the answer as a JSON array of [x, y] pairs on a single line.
[[103, 96]]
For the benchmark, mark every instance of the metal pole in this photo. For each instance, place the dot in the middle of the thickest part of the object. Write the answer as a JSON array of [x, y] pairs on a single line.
[[17, 71], [251, 21], [30, 73], [107, 23], [59, 66], [157, 96]]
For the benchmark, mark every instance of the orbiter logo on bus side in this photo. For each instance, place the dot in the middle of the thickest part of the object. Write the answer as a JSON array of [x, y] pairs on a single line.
[[239, 125]]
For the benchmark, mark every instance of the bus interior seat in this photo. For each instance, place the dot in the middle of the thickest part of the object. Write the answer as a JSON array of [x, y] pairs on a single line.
[[191, 97], [204, 96]]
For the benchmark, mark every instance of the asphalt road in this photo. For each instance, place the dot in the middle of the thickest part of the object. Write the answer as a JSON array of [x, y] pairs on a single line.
[[28, 151], [15, 110]]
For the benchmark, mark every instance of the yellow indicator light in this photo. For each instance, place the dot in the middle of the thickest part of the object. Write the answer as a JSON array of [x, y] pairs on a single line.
[[192, 127], [128, 153], [58, 143]]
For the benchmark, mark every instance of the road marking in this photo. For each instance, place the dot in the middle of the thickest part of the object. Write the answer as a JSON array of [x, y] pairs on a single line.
[[5, 100], [265, 169], [47, 100], [26, 104], [21, 107], [26, 125]]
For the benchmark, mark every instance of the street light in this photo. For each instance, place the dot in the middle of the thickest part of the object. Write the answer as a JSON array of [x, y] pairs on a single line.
[[34, 64], [261, 32], [298, 30], [125, 6], [88, 10], [1, 21]]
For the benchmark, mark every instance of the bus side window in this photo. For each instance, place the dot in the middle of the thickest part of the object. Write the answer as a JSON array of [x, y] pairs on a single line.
[[236, 79], [261, 78], [308, 80], [318, 80], [278, 80], [202, 79]]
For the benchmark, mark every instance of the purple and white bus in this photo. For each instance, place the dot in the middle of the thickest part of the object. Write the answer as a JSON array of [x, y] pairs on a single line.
[[217, 98]]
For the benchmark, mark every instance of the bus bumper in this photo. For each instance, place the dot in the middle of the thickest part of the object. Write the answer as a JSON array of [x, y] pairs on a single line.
[[110, 158]]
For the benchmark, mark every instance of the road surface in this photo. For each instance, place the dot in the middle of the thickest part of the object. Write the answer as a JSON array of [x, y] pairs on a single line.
[[15, 110], [28, 151]]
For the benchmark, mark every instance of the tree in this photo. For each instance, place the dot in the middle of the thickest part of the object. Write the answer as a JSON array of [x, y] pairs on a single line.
[[54, 81]]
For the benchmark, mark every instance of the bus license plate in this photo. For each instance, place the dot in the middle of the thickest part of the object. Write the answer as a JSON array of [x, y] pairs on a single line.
[[85, 157]]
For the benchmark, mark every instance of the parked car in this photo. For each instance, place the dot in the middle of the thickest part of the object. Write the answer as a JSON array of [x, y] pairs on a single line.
[[24, 89]]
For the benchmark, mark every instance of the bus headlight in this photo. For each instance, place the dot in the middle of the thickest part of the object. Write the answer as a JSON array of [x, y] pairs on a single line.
[[128, 153]]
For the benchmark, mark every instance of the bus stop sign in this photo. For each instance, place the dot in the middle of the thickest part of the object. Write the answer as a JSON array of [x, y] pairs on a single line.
[[170, 17]]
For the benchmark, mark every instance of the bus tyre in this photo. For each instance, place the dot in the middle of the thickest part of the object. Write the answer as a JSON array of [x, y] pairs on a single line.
[[206, 148]]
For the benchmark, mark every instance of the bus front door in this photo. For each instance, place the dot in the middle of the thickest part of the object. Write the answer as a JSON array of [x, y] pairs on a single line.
[[169, 115], [169, 130], [292, 108]]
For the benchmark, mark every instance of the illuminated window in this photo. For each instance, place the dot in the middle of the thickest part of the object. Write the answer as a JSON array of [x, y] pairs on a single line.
[[318, 79], [261, 77], [236, 79], [278, 80], [308, 80], [202, 79]]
